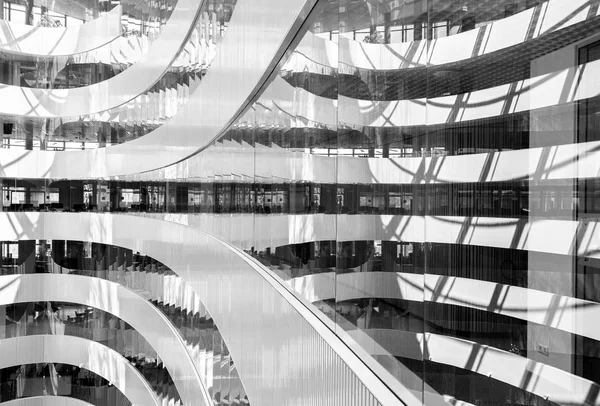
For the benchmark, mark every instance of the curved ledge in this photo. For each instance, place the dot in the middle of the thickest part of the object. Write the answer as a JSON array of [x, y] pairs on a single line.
[[563, 237], [46, 401], [235, 293], [148, 110], [79, 352], [165, 289], [493, 37], [221, 99], [121, 302], [541, 235], [535, 377], [560, 312], [44, 41], [547, 309], [564, 86], [567, 161], [102, 96]]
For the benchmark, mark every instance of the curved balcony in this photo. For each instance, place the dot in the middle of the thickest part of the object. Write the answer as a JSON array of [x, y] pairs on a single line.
[[560, 87], [552, 163], [560, 312], [112, 92], [87, 354], [550, 236], [236, 156], [549, 383], [497, 36], [70, 319], [234, 272], [51, 41], [104, 63], [131, 120], [568, 161], [109, 297], [219, 108], [165, 290]]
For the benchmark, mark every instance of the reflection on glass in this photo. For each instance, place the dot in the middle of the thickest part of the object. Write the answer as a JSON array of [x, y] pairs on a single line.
[[453, 87], [22, 319], [136, 117], [466, 292], [143, 274]]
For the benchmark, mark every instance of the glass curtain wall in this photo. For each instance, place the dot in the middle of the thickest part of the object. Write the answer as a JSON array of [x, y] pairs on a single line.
[[464, 292]]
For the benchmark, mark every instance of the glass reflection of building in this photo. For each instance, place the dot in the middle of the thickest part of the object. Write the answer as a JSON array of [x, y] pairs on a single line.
[[335, 202]]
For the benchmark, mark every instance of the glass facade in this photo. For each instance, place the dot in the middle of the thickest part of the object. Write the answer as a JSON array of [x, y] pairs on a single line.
[[351, 202]]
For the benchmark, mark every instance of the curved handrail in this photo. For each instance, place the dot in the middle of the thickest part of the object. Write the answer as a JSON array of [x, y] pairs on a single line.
[[376, 379]]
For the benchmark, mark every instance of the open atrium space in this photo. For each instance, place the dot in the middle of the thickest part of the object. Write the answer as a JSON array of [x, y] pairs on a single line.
[[299, 202]]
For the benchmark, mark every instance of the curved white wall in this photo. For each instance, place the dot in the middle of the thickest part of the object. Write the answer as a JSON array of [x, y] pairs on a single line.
[[550, 89], [280, 350], [238, 69], [496, 36], [124, 304], [189, 130], [567, 161], [44, 41], [545, 381], [101, 96], [244, 162], [561, 312], [87, 354], [534, 234]]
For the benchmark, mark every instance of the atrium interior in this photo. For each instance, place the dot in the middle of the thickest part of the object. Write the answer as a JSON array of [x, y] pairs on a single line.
[[299, 202]]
